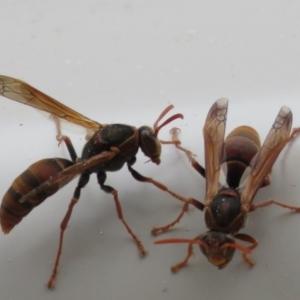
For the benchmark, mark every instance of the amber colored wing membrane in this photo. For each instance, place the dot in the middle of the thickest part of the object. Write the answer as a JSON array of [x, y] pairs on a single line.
[[214, 132], [262, 163], [70, 173], [22, 92]]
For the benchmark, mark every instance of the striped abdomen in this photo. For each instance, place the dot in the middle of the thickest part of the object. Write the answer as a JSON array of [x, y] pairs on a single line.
[[241, 145], [13, 209]]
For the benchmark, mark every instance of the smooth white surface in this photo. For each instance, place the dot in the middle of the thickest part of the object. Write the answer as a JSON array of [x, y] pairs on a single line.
[[124, 61]]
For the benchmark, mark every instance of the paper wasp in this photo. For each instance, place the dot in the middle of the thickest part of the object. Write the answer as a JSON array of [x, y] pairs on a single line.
[[235, 169], [108, 149]]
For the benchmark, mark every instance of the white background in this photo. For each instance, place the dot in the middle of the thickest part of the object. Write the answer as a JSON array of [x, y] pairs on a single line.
[[125, 61]]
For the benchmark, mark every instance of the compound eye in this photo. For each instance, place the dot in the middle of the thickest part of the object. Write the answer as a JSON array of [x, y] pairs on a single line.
[[204, 250], [150, 144]]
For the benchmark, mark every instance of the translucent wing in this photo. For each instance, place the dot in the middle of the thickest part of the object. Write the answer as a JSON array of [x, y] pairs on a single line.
[[262, 163], [214, 132], [22, 92], [70, 173]]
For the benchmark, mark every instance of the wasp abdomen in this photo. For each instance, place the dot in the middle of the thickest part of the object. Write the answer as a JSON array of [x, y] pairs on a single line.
[[13, 209], [240, 145]]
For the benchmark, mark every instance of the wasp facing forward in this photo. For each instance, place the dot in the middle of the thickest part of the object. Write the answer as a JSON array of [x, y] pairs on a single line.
[[235, 169]]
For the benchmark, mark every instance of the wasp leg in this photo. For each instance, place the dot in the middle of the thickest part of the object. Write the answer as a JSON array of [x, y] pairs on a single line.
[[249, 239], [110, 190], [178, 266], [267, 179], [157, 230], [184, 210], [174, 134], [70, 148], [295, 131], [191, 156], [169, 142], [63, 138], [193, 161], [84, 179], [159, 185], [272, 201]]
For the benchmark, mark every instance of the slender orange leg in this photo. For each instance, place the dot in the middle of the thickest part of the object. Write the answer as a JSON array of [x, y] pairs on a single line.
[[63, 227], [191, 156], [185, 208], [141, 248], [178, 266], [294, 132], [272, 201], [82, 182], [159, 185], [248, 239], [84, 178], [110, 190]]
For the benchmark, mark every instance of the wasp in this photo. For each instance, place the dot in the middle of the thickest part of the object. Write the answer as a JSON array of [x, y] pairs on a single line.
[[235, 169], [107, 150]]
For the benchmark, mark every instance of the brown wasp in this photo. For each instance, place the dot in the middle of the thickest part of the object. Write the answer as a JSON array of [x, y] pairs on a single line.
[[236, 168], [108, 149]]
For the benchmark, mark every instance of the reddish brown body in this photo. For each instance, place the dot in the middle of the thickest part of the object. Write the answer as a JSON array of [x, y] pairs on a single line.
[[224, 212], [12, 211], [240, 146], [236, 167], [109, 148]]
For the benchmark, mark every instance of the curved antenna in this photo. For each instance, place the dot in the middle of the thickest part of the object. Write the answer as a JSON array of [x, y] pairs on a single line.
[[165, 111], [172, 118], [182, 241], [201, 243], [236, 246]]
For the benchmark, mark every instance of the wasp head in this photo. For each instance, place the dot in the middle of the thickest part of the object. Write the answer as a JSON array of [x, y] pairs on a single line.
[[149, 142], [218, 247]]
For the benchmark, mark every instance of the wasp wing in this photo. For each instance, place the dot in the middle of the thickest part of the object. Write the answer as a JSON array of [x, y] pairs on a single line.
[[22, 92], [214, 132], [262, 162], [68, 174]]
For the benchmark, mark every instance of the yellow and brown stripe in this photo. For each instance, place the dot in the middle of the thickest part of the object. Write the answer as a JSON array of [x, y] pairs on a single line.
[[13, 209]]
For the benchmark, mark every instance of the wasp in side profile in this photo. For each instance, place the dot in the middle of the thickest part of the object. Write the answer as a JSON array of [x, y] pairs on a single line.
[[108, 149], [235, 169]]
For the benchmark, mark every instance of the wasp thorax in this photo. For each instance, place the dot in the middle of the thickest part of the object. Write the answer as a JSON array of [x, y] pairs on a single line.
[[150, 144], [224, 212], [215, 253]]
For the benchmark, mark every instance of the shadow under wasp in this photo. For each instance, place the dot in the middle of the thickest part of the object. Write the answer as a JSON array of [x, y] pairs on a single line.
[[108, 149], [235, 169]]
